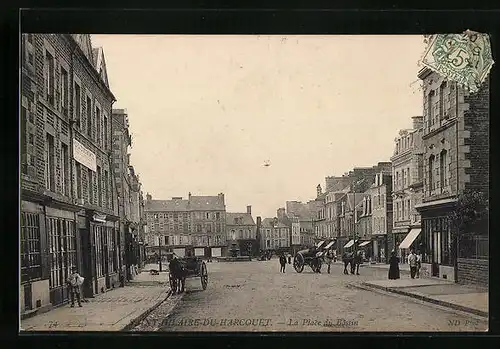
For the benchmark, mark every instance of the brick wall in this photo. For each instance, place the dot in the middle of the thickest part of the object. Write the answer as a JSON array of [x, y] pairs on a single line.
[[473, 271], [476, 121]]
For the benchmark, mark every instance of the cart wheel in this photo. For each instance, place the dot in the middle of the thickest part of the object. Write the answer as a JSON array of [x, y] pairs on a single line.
[[298, 263], [204, 276]]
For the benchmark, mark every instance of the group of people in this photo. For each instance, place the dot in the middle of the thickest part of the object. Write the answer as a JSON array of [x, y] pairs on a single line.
[[414, 260]]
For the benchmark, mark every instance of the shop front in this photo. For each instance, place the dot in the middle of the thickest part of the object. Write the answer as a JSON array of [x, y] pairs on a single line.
[[399, 234], [436, 242], [34, 291], [100, 251]]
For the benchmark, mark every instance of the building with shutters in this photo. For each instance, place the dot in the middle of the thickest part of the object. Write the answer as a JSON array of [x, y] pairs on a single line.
[[187, 226], [68, 209], [275, 236]]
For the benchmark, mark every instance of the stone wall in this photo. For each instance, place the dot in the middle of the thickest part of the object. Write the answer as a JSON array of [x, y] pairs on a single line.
[[473, 271]]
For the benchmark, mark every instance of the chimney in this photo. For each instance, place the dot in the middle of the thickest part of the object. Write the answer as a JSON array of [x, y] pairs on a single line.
[[189, 196], [221, 197], [259, 221], [281, 213], [249, 209], [418, 122], [148, 197], [318, 190]]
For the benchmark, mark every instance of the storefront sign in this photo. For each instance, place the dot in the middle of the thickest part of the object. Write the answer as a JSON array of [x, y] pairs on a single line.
[[99, 218], [84, 156]]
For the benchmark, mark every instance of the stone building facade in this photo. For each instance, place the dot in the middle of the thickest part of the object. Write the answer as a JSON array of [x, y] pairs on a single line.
[[242, 232], [187, 226], [275, 235], [68, 211], [456, 158], [407, 174]]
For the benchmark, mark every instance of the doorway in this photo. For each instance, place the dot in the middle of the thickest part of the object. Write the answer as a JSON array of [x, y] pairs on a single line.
[[105, 256], [436, 253]]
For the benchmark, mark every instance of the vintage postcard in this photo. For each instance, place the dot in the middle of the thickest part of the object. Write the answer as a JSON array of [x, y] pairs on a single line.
[[334, 183]]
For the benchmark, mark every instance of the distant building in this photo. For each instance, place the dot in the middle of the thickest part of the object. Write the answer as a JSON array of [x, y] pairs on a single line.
[[380, 193], [305, 217], [275, 235], [242, 232], [194, 226]]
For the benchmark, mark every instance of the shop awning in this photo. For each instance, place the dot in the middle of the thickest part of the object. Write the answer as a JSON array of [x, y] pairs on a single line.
[[330, 244], [320, 243], [364, 243], [412, 235], [349, 244]]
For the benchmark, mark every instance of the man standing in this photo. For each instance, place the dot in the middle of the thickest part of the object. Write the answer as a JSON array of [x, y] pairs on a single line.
[[412, 261], [282, 263]]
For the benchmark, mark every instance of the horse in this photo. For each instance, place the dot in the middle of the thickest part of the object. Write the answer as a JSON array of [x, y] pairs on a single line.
[[348, 258], [178, 274], [356, 261]]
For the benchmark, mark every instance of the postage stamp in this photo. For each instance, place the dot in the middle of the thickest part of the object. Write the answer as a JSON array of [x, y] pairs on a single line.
[[465, 58]]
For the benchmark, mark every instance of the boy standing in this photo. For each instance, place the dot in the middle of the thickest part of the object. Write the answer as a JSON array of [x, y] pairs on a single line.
[[74, 286]]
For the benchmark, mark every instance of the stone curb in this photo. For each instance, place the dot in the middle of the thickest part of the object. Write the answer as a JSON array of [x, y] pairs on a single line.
[[424, 298], [176, 306], [144, 315]]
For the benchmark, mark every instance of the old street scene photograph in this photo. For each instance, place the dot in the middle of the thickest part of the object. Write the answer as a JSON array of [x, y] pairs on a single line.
[[258, 183]]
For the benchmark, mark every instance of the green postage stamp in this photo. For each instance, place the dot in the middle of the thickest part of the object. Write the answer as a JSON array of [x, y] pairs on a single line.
[[465, 58]]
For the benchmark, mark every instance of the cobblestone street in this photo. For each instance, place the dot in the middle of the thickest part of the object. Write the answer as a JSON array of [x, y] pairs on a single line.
[[254, 296]]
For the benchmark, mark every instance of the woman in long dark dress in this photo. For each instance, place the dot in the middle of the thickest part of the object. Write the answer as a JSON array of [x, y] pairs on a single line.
[[393, 266]]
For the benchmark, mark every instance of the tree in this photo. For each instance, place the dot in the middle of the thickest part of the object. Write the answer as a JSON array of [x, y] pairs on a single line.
[[469, 220], [471, 213]]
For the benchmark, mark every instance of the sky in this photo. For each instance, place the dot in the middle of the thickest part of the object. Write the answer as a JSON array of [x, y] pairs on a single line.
[[207, 112]]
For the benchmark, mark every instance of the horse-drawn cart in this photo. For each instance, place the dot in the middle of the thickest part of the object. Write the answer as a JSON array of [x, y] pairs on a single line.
[[312, 257], [187, 267]]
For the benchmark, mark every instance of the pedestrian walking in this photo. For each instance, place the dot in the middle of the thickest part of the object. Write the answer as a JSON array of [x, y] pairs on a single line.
[[393, 266], [419, 263], [282, 263], [412, 261], [74, 282], [329, 259]]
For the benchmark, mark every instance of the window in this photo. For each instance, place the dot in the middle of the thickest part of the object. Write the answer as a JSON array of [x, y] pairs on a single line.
[[209, 228], [98, 125], [89, 117], [441, 100], [77, 105], [185, 227], [64, 91], [106, 188], [217, 215], [404, 178], [208, 215], [78, 169], [430, 116], [431, 175], [23, 140], [49, 163], [49, 77], [98, 236], [64, 169], [167, 240], [62, 250], [112, 257], [408, 206], [443, 169], [31, 261], [105, 131], [176, 218], [99, 189], [198, 228], [403, 203], [90, 188], [218, 227]]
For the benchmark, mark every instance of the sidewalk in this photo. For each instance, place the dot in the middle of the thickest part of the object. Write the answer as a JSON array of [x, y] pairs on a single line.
[[464, 298], [114, 310]]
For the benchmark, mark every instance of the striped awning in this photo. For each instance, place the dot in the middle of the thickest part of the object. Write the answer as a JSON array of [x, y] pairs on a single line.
[[412, 235], [364, 243], [330, 244], [349, 244]]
